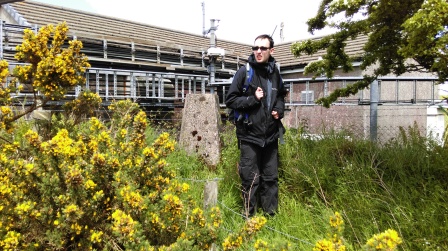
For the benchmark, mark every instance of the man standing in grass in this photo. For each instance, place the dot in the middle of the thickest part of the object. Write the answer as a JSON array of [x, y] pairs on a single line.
[[257, 94]]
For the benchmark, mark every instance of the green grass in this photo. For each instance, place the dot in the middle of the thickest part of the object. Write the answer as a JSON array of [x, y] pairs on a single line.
[[401, 184]]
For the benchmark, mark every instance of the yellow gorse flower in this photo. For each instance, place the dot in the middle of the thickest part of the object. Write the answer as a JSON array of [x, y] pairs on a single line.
[[72, 208], [52, 68], [25, 207], [132, 197], [4, 71], [386, 241], [123, 224], [150, 152], [96, 236], [252, 226], [336, 220], [98, 195], [324, 245], [61, 144], [10, 241], [261, 245], [90, 184], [334, 242]]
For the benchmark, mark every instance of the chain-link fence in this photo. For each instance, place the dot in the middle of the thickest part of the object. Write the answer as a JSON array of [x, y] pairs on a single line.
[[381, 113]]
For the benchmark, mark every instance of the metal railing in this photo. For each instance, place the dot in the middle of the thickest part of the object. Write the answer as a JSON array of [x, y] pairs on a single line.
[[144, 87], [169, 88], [391, 90]]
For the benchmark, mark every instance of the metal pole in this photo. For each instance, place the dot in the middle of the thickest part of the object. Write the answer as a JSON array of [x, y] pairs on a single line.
[[213, 28], [291, 92], [107, 85], [204, 32], [147, 85], [397, 91], [115, 84], [212, 73], [153, 85], [97, 82], [374, 98], [415, 92], [1, 39], [203, 86], [307, 89]]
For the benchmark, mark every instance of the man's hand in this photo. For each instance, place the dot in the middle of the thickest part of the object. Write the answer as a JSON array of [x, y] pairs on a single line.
[[259, 93], [275, 114]]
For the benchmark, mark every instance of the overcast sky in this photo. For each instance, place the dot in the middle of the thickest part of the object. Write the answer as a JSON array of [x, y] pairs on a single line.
[[240, 20]]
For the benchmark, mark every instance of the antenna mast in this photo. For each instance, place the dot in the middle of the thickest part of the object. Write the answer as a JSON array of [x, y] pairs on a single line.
[[213, 52], [204, 32], [274, 31], [282, 37]]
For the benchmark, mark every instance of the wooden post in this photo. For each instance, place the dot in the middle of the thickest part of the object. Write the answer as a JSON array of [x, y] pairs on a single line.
[[210, 194], [210, 199]]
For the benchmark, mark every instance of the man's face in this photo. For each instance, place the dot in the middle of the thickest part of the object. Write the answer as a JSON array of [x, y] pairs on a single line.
[[262, 51]]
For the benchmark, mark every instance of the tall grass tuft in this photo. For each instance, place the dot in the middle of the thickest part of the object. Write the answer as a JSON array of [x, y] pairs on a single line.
[[399, 185]]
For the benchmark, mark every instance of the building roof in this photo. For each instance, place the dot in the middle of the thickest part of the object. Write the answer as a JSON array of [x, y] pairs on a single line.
[[8, 1], [94, 26], [85, 23]]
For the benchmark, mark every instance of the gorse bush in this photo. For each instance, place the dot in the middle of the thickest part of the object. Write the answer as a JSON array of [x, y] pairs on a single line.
[[84, 184], [98, 187]]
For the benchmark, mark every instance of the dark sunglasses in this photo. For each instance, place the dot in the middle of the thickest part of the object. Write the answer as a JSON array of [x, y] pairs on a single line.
[[262, 48]]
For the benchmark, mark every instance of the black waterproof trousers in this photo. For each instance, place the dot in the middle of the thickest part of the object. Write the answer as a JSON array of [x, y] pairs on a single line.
[[258, 169]]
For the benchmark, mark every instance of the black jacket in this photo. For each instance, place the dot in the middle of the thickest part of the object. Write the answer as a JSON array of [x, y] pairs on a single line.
[[260, 128]]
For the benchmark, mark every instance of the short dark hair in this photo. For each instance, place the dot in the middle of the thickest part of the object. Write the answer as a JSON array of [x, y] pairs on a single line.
[[266, 36]]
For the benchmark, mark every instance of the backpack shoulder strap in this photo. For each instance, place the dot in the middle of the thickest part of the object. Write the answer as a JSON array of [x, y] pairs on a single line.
[[249, 74]]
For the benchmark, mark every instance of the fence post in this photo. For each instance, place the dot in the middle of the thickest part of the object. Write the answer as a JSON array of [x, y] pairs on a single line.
[[374, 98], [211, 199], [210, 194]]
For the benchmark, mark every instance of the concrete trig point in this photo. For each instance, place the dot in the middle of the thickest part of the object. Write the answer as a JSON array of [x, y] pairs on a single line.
[[201, 121]]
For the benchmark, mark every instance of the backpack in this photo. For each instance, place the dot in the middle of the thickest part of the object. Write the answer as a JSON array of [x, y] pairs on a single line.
[[234, 115]]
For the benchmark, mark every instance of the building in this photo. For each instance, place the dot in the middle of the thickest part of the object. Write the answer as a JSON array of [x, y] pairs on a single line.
[[158, 67]]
